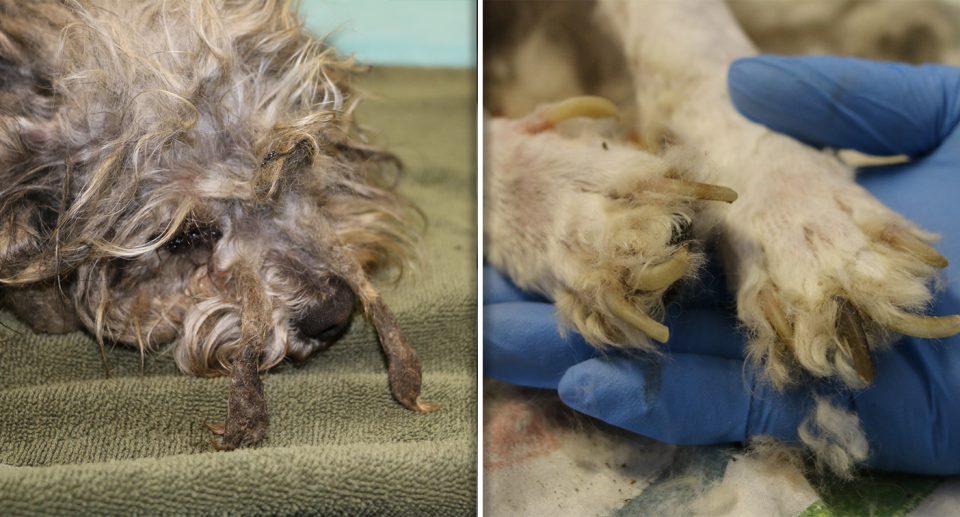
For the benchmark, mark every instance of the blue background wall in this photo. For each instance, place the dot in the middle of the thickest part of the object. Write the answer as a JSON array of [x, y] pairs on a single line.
[[434, 33]]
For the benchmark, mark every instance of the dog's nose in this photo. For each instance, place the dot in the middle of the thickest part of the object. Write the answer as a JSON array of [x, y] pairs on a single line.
[[328, 319]]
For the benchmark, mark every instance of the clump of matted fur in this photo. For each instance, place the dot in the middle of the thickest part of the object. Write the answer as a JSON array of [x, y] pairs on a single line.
[[151, 150]]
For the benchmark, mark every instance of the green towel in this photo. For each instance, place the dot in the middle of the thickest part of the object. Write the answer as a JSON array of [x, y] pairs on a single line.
[[75, 442]]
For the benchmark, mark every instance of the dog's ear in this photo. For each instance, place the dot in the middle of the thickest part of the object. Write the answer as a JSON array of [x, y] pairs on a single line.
[[35, 286], [31, 173], [28, 183], [30, 186]]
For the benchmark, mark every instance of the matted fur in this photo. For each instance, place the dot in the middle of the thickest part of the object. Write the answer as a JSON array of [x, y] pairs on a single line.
[[189, 173]]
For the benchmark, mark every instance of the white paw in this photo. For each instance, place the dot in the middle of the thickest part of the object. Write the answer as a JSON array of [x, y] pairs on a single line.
[[825, 271], [590, 220]]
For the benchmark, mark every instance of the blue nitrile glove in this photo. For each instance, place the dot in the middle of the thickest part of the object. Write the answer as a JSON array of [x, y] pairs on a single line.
[[701, 392]]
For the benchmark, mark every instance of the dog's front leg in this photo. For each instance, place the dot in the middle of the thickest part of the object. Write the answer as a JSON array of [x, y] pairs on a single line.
[[247, 417], [816, 260]]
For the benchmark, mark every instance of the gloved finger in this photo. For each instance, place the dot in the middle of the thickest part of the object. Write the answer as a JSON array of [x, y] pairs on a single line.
[[910, 413], [683, 399], [522, 344], [499, 289], [874, 107]]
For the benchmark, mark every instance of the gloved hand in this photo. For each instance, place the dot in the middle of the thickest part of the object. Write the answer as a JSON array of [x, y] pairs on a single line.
[[701, 391]]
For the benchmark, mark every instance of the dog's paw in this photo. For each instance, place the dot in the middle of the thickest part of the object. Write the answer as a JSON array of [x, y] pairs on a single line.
[[826, 271], [590, 220]]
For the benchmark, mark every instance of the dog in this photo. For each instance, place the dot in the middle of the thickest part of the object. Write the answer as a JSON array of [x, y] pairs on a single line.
[[188, 174], [606, 223]]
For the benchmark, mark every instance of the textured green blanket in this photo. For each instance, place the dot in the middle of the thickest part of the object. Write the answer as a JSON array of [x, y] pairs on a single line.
[[75, 442]]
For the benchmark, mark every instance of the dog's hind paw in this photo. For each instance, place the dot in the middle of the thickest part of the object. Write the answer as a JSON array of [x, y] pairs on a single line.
[[588, 219]]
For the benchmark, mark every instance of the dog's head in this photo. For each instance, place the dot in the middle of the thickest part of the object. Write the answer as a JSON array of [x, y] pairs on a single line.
[[188, 172]]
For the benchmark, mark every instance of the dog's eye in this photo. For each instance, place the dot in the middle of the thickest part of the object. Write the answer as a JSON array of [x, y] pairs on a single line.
[[192, 237]]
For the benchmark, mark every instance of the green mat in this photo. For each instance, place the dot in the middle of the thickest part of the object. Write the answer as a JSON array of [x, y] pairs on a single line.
[[75, 442]]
